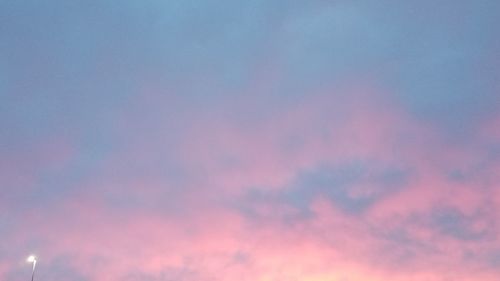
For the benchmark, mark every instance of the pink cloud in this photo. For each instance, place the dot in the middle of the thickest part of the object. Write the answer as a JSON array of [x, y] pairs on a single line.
[[228, 155]]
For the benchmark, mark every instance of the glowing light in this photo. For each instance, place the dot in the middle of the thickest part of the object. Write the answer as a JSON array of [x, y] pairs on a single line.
[[31, 258]]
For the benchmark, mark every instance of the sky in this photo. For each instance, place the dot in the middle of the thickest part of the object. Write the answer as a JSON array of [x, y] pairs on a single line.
[[258, 140]]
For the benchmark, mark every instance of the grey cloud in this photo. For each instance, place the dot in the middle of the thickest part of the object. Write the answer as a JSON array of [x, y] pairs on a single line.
[[353, 187], [339, 184], [451, 222]]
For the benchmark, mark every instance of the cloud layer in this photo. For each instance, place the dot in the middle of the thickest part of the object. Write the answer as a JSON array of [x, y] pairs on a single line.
[[269, 140]]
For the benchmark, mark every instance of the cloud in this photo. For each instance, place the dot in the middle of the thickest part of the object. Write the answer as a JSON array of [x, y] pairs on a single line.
[[250, 141]]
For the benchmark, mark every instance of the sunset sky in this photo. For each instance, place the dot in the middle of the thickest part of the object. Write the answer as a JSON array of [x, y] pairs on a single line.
[[250, 140]]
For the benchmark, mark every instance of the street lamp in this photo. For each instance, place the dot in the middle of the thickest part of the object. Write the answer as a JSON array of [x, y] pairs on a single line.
[[32, 259]]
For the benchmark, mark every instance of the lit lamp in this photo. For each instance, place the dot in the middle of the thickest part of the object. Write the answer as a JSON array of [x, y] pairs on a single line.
[[32, 259]]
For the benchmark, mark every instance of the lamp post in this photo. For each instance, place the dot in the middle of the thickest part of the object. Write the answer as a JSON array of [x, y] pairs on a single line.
[[32, 259]]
